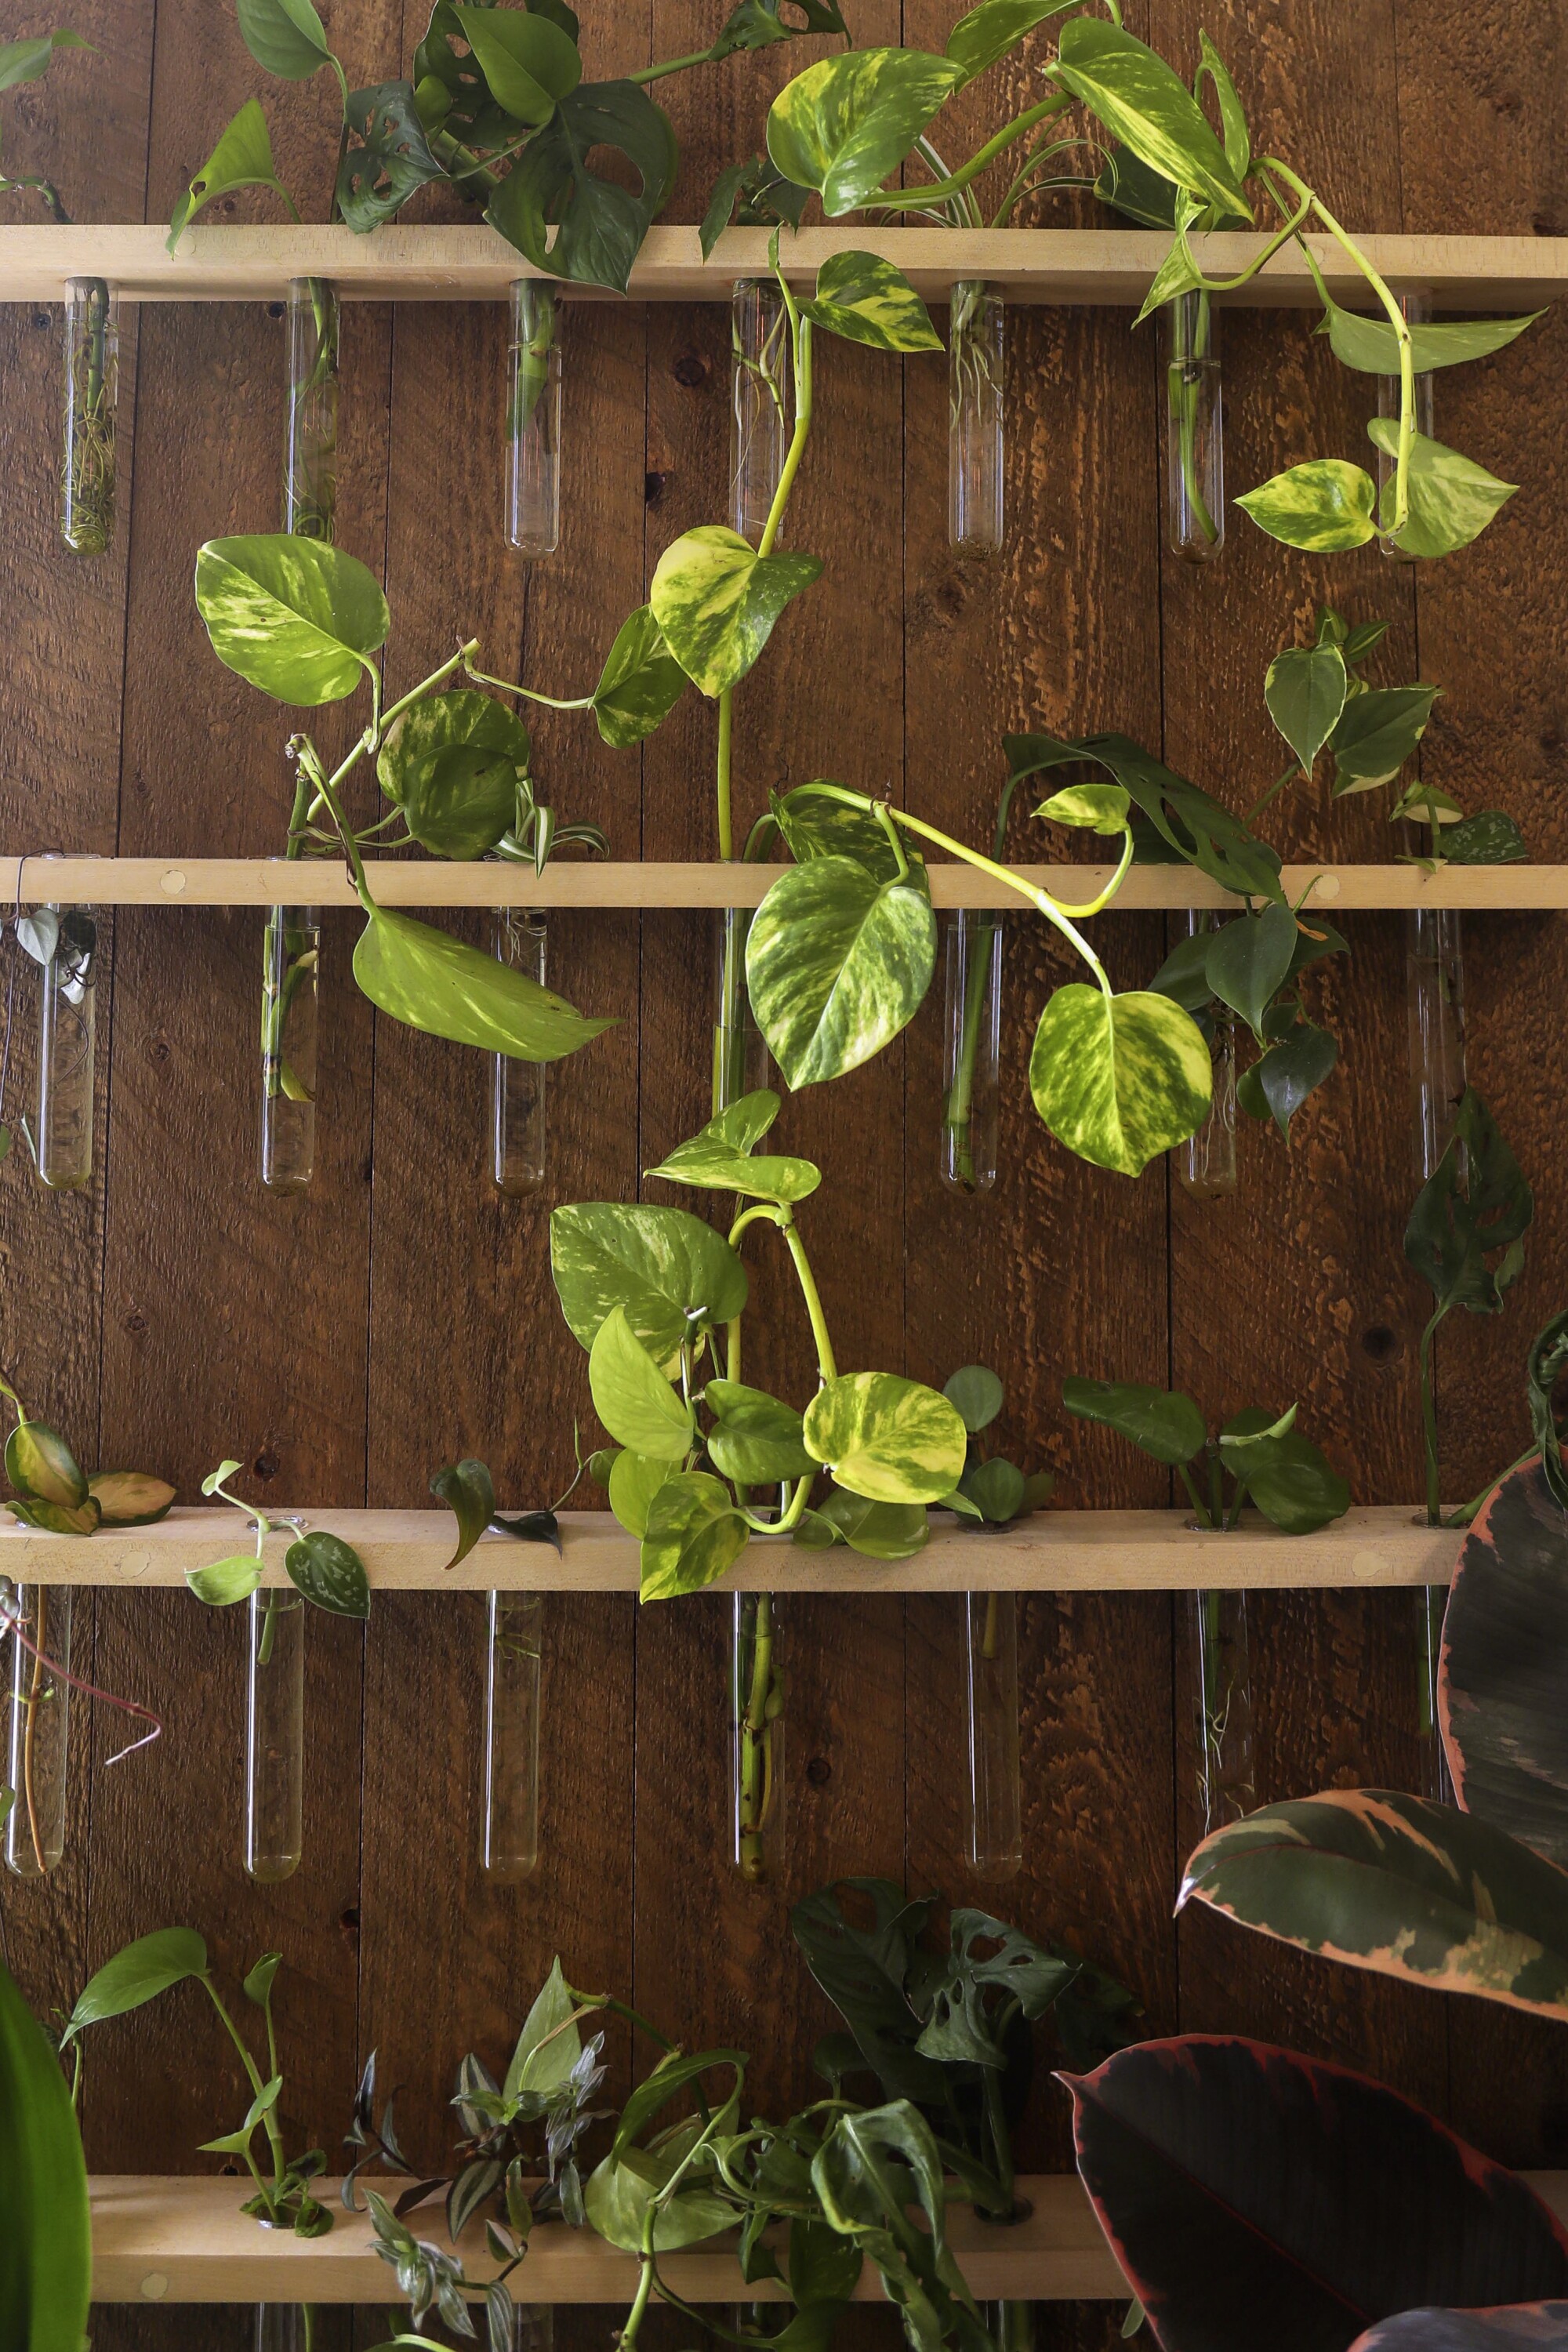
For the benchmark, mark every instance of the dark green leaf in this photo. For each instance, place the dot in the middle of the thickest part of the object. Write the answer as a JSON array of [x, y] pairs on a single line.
[[1378, 732], [960, 2026], [756, 196], [465, 1488], [452, 764], [758, 23], [864, 1971], [45, 2256], [1488, 838], [874, 1530], [257, 1985], [601, 225], [1289, 1071], [528, 62], [330, 1572], [1292, 1482], [139, 1972], [285, 36], [999, 1488], [1133, 189], [1546, 1361], [1305, 690], [1164, 1422], [1189, 821], [392, 159], [1249, 961], [978, 1395], [815, 826], [1474, 1203]]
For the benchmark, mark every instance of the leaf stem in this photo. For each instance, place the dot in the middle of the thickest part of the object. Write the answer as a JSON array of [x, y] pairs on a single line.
[[904, 200]]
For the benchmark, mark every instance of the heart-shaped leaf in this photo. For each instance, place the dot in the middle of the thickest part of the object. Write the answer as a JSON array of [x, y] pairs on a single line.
[[46, 2274], [1119, 1080], [599, 224], [1398, 1886], [987, 32], [676, 1278], [1372, 346], [1097, 808], [528, 64], [756, 1440], [285, 36], [1474, 1203], [1232, 2179], [452, 764], [225, 1581], [720, 1158], [865, 299], [640, 684], [977, 1394], [836, 964], [549, 2045], [329, 1572], [1378, 731], [1305, 690], [892, 1440], [294, 616], [1505, 1652], [1164, 1422], [847, 121], [1280, 1081], [998, 1488], [130, 1498], [242, 159], [694, 1535], [1324, 506], [631, 1395], [138, 1973], [717, 601], [1133, 92], [440, 985], [42, 1467], [1249, 961], [635, 1480], [469, 1493], [1292, 1482], [390, 158], [1452, 499]]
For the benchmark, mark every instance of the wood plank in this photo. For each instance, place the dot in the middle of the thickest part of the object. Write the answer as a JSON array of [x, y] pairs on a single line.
[[446, 263], [169, 2242], [1056, 1552], [653, 884]]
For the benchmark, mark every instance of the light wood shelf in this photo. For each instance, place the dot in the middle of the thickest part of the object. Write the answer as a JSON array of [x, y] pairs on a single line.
[[186, 2241], [1113, 266], [1054, 1551], [574, 883]]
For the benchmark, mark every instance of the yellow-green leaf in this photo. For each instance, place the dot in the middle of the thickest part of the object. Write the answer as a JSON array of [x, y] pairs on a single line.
[[837, 964], [1118, 1081], [717, 601], [448, 989], [1142, 103], [847, 121], [1451, 499], [694, 1534], [892, 1440], [866, 300], [293, 616], [1324, 506], [631, 1395]]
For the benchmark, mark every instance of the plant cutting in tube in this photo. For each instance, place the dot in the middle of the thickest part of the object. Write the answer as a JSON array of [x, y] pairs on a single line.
[[300, 620]]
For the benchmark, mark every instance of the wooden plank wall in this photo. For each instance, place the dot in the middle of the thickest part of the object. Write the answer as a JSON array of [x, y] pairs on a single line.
[[346, 1344]]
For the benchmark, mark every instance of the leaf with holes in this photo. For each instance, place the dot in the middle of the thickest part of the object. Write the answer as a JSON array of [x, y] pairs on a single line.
[[391, 160], [242, 159], [599, 224]]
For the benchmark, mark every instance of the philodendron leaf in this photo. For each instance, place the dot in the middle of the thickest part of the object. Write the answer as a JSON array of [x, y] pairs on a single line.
[[137, 1973], [1505, 1652], [130, 1498], [719, 1157], [1249, 961], [1491, 837], [694, 1534], [1232, 2179], [329, 1572], [866, 300], [717, 601], [847, 121], [294, 616], [1305, 690], [836, 964], [1118, 1081], [434, 982], [1395, 1884], [1377, 732], [998, 1489], [1280, 1081], [45, 2268], [1164, 1422], [1452, 499], [1474, 1203], [41, 1466], [1324, 506], [224, 1581], [1291, 1481], [631, 1395], [1372, 346], [242, 159], [977, 1394], [57, 1519], [676, 1278], [892, 1440], [528, 64], [467, 1489], [757, 1440], [599, 224], [285, 36], [1503, 2328], [986, 33], [392, 157], [640, 684], [549, 2045], [28, 60], [1133, 92], [452, 765]]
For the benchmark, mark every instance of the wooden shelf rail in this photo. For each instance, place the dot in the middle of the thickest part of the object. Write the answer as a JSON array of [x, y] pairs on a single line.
[[576, 883], [186, 2241], [1054, 1551], [1115, 266]]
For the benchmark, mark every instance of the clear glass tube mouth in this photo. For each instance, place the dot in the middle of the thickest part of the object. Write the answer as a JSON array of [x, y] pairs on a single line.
[[972, 1052], [275, 1735], [67, 1052], [513, 1652], [91, 385], [761, 397], [311, 444], [1194, 428], [976, 420], [291, 1037], [519, 1163], [533, 421], [995, 1838], [38, 1743]]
